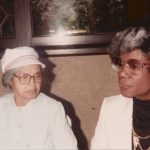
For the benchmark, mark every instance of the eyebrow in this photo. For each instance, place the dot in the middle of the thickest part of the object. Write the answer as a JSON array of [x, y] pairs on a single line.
[[24, 73]]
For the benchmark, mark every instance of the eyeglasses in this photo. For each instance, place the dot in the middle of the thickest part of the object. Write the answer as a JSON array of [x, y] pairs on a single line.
[[26, 78], [134, 65]]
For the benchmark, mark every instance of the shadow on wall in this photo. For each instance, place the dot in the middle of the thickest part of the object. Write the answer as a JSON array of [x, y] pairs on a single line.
[[48, 78]]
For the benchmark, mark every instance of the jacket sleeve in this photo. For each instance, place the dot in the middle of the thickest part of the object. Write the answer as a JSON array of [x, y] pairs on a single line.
[[63, 135], [100, 138]]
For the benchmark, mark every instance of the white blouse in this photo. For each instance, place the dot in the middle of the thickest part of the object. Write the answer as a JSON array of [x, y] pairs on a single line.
[[40, 124]]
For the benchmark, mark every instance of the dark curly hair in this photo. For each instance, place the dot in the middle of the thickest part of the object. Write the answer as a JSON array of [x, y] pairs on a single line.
[[129, 40]]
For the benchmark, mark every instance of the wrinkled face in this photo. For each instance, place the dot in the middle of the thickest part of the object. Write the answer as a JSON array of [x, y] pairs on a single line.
[[24, 83], [134, 83]]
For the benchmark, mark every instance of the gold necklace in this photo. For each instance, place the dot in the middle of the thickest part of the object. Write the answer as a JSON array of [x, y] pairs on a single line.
[[136, 141]]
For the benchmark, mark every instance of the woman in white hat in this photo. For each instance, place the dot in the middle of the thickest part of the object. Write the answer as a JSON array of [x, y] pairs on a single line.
[[29, 119]]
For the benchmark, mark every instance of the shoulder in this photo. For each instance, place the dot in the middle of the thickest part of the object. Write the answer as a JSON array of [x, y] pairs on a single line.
[[116, 103], [48, 102], [6, 98], [117, 99], [50, 108]]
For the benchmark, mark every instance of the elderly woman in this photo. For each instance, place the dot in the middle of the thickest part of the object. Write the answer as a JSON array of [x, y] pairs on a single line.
[[29, 119], [124, 121]]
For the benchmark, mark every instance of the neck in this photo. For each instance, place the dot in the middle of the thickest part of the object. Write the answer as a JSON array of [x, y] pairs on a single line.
[[142, 99], [21, 101]]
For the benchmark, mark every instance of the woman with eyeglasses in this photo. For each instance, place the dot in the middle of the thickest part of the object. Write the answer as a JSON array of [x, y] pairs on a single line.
[[124, 121], [28, 118]]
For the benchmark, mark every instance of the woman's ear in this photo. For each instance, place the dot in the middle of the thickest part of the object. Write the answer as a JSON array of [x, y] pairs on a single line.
[[10, 84]]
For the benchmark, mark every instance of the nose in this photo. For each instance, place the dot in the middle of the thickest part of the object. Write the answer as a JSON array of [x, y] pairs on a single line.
[[32, 80], [124, 71]]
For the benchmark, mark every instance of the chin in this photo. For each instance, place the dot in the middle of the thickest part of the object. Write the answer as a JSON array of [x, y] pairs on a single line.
[[32, 95], [127, 94]]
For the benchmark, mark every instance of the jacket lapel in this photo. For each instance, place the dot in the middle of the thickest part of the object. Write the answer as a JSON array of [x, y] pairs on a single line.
[[123, 125]]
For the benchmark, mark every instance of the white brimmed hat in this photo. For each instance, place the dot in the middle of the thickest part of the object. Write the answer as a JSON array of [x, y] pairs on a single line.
[[18, 57]]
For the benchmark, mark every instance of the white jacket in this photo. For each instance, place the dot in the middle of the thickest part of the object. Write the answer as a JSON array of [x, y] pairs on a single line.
[[114, 127], [41, 124]]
